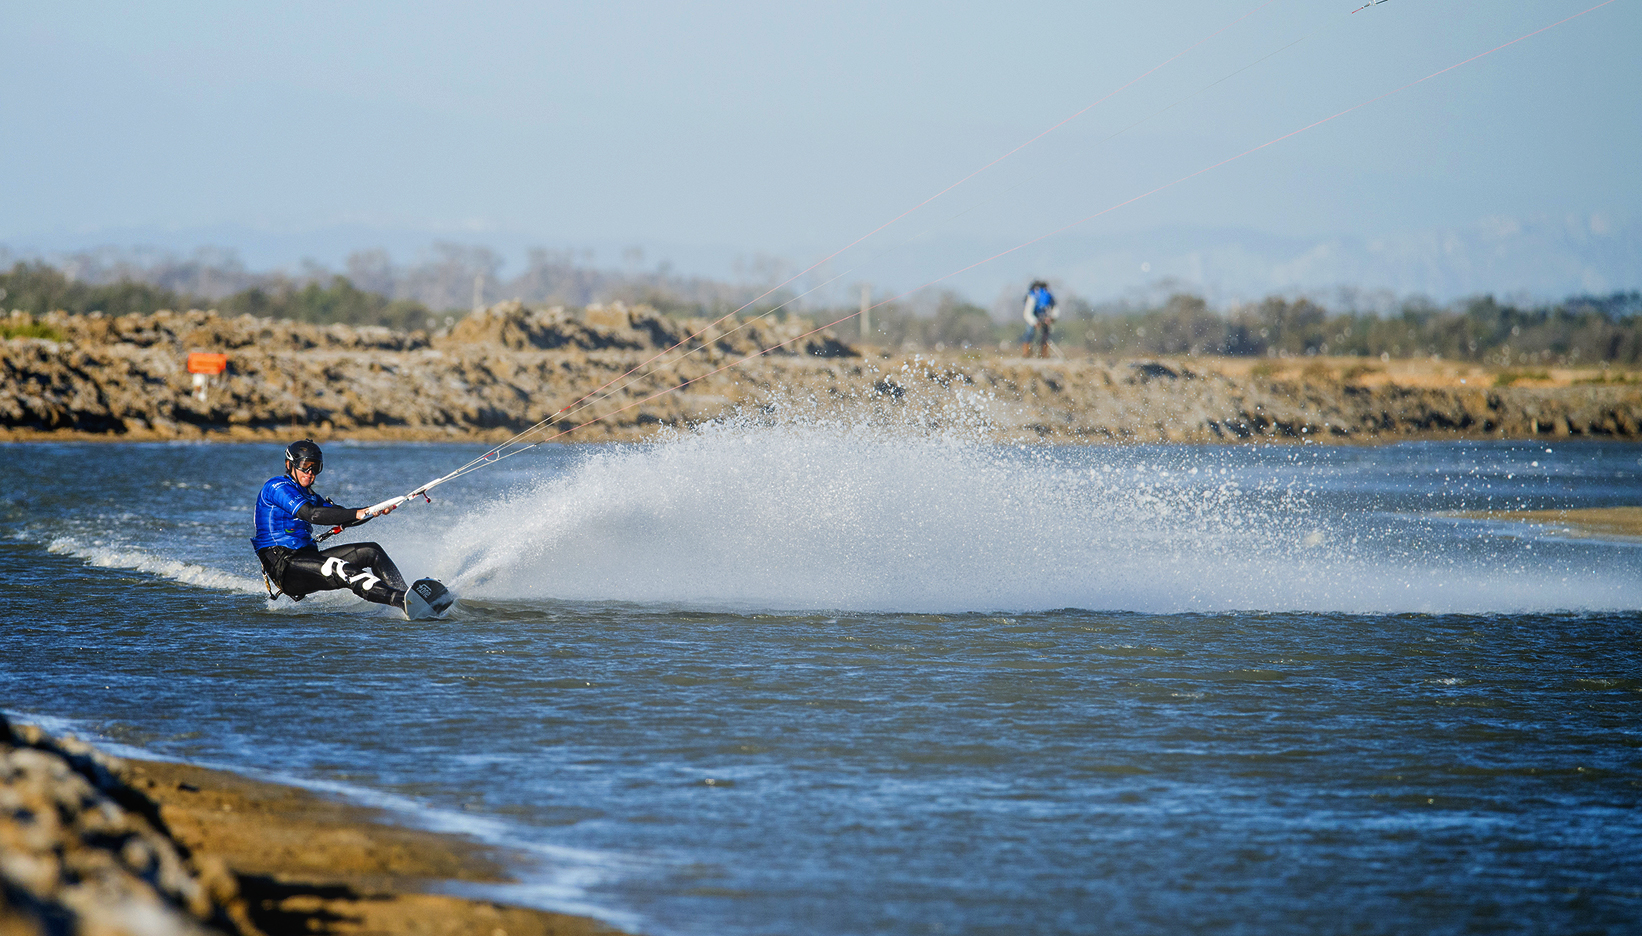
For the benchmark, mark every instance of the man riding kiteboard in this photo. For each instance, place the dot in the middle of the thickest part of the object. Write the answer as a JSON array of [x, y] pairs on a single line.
[[293, 561]]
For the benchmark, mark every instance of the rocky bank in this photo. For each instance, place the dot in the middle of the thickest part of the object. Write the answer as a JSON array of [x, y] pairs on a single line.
[[506, 368], [81, 852], [95, 846]]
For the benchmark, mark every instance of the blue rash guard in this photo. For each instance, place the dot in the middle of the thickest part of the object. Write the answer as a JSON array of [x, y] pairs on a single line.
[[278, 506]]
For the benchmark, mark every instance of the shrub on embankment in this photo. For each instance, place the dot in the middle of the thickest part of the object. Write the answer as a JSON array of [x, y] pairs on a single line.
[[39, 289], [1577, 331], [1580, 330]]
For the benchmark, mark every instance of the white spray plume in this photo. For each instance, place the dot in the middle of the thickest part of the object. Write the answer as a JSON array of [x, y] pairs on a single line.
[[785, 509]]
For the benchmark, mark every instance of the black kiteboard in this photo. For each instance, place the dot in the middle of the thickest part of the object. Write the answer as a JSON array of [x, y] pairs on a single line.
[[426, 599]]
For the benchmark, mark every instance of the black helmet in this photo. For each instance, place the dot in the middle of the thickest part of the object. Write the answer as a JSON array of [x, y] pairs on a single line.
[[306, 452]]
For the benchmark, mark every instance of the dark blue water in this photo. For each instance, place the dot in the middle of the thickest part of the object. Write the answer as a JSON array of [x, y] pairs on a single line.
[[920, 687]]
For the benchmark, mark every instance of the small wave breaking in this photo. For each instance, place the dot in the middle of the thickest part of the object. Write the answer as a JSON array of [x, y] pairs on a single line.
[[139, 560], [134, 559]]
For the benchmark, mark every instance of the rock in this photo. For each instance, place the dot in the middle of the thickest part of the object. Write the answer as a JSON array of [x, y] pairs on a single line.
[[508, 367], [1152, 370], [83, 852]]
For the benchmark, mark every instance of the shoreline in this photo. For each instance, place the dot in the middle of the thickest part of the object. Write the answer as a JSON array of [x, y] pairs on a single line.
[[508, 368], [276, 860], [263, 436], [1622, 524], [285, 437]]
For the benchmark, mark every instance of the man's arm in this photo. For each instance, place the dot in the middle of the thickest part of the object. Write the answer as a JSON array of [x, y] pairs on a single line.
[[287, 496], [329, 515]]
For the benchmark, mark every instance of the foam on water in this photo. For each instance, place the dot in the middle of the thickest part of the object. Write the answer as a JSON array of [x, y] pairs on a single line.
[[807, 513], [135, 559], [140, 560], [833, 773]]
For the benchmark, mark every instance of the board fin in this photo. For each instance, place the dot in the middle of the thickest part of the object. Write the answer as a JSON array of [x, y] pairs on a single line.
[[427, 598]]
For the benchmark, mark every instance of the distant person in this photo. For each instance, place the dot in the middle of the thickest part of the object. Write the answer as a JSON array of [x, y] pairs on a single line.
[[296, 565], [1040, 316]]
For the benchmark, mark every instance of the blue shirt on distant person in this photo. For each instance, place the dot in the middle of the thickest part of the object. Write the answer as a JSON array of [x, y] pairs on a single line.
[[1040, 314], [1039, 303]]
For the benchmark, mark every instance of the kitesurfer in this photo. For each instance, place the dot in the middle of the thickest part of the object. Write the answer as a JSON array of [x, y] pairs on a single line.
[[1040, 315], [293, 561]]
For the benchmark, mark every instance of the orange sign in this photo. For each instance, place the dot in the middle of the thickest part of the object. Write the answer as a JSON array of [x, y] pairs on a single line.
[[201, 362]]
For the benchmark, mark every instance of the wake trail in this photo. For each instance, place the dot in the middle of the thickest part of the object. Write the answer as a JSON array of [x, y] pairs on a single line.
[[136, 559], [819, 515]]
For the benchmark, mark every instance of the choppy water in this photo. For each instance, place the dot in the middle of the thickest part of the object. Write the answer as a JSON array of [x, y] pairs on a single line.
[[804, 679]]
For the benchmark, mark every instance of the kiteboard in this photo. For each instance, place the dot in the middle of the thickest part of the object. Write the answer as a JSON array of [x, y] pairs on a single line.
[[427, 599]]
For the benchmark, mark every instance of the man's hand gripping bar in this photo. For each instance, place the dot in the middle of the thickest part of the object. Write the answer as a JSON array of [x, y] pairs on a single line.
[[376, 509]]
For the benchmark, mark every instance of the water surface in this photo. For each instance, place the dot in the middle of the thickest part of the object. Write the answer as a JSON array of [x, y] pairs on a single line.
[[784, 679]]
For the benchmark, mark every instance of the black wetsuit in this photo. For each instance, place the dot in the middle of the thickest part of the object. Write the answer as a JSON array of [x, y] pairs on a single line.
[[361, 567]]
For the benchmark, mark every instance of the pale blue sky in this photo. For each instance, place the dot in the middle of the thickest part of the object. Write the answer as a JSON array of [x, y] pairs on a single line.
[[709, 129]]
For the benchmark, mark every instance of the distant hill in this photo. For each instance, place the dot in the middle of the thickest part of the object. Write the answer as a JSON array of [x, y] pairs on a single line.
[[1523, 258]]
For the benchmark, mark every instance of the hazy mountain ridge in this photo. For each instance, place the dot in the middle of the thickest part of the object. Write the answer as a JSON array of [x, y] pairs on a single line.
[[1519, 259]]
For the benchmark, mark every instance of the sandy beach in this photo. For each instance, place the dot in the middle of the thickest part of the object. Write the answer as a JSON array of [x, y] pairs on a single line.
[[1618, 523], [254, 857]]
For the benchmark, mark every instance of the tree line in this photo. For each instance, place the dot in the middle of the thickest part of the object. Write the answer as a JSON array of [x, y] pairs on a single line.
[[39, 288], [370, 289], [1574, 331], [1578, 330]]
